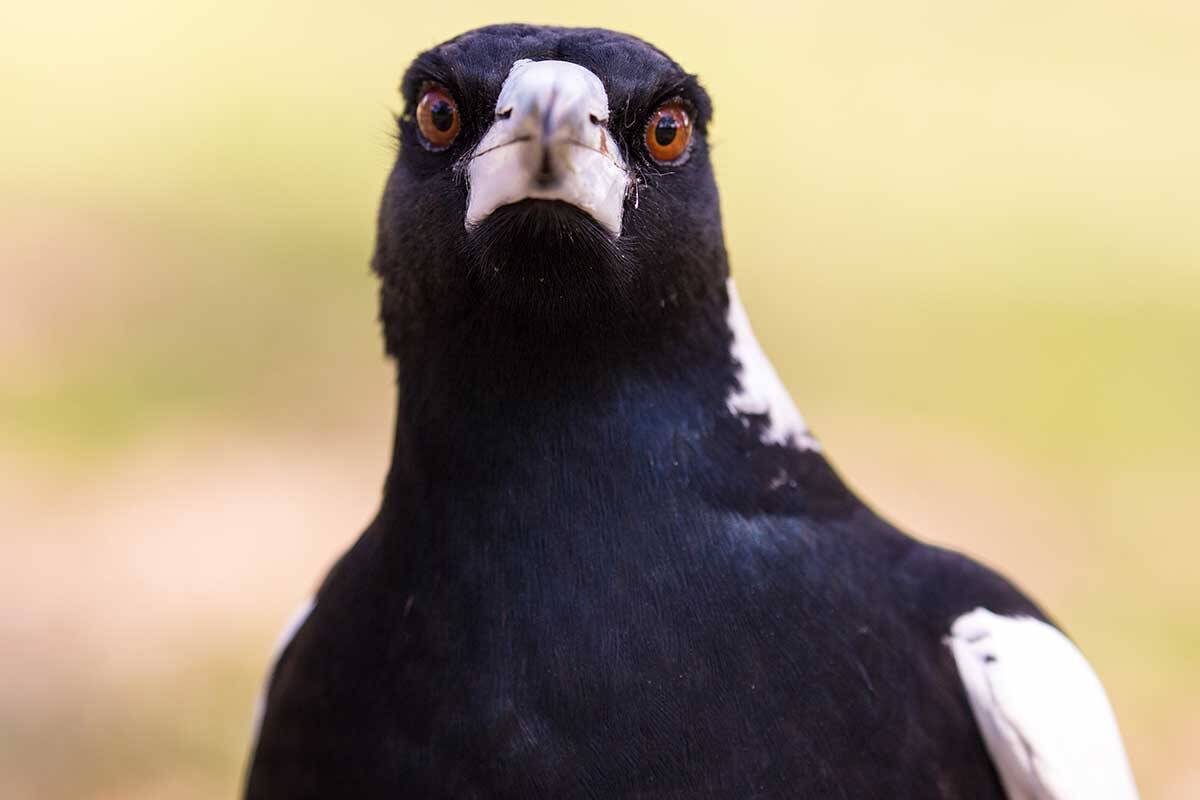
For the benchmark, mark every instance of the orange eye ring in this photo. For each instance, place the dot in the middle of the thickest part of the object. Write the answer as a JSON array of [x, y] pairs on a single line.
[[669, 132], [437, 117]]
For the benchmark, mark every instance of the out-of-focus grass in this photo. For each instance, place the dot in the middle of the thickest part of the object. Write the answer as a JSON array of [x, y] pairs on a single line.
[[967, 235]]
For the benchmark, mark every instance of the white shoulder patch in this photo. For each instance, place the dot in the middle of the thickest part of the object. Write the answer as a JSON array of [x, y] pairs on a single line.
[[1044, 716], [759, 389], [294, 623]]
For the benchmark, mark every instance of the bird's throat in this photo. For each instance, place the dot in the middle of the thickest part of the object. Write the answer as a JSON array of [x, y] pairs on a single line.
[[487, 408]]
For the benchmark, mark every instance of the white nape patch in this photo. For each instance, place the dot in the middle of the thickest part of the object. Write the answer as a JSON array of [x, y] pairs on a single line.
[[549, 141], [759, 389], [1044, 716], [294, 623]]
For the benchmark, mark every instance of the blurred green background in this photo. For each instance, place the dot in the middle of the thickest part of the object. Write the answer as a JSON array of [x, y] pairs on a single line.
[[968, 234]]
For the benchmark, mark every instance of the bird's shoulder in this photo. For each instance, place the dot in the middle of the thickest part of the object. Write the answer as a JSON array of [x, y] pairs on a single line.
[[944, 584], [1038, 704]]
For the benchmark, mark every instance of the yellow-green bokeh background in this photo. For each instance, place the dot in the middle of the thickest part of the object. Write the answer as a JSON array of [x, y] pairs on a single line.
[[968, 234]]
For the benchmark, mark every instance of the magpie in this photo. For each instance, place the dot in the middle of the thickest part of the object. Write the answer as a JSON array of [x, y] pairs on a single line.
[[610, 559]]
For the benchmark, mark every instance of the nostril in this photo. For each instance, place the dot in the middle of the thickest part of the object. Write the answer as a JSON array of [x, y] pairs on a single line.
[[545, 177], [595, 120], [504, 113]]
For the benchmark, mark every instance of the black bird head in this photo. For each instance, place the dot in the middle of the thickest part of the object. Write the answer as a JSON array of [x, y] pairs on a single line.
[[552, 186], [554, 280]]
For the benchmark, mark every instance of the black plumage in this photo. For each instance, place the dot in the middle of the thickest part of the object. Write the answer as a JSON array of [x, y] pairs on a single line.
[[588, 577]]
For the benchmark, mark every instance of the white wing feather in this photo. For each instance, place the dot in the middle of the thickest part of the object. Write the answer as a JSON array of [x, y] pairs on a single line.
[[293, 625], [1044, 716]]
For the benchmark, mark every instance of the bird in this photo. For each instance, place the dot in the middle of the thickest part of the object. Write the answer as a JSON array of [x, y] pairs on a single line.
[[610, 559]]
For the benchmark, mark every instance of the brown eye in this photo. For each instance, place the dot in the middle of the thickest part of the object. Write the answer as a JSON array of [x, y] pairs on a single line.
[[437, 118], [669, 132]]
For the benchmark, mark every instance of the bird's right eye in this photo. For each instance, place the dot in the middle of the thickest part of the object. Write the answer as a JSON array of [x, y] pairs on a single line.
[[669, 132], [437, 117]]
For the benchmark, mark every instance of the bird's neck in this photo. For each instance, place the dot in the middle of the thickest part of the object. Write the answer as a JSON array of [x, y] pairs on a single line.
[[484, 416], [517, 388]]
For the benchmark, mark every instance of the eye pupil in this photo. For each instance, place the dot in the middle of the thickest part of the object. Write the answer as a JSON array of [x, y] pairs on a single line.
[[665, 130], [441, 114]]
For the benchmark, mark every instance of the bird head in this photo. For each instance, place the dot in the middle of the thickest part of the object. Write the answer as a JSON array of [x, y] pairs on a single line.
[[556, 179]]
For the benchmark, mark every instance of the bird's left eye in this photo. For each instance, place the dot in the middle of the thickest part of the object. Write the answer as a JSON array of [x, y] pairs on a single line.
[[437, 118], [669, 132]]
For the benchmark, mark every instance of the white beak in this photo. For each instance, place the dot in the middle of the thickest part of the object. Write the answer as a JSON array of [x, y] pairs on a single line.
[[549, 141]]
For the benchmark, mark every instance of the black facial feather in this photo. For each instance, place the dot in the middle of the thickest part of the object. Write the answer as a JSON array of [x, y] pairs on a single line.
[[551, 257]]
